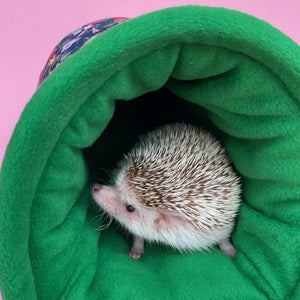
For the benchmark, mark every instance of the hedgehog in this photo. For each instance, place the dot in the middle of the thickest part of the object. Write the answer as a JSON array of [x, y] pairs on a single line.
[[177, 187]]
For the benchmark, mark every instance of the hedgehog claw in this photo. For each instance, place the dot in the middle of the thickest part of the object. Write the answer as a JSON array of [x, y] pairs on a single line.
[[135, 254]]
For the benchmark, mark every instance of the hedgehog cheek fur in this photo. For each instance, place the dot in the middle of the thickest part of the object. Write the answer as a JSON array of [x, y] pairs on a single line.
[[141, 221]]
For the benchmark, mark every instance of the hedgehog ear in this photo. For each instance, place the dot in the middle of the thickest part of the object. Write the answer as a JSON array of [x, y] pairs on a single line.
[[168, 220]]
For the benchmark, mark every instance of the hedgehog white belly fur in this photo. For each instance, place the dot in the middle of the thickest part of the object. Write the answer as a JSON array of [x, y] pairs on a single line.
[[175, 186]]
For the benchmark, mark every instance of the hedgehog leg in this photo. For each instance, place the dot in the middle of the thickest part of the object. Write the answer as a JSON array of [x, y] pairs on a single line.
[[137, 249], [226, 247]]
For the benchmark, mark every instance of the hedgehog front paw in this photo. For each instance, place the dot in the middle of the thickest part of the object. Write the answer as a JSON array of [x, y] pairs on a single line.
[[137, 249]]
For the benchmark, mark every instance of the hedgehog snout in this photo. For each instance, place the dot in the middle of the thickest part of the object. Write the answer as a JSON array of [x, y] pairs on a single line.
[[96, 187], [105, 196]]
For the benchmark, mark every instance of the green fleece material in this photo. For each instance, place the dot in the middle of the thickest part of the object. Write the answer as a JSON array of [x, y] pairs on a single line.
[[220, 69]]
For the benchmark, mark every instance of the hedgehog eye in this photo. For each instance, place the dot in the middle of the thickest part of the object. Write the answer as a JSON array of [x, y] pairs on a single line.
[[130, 208]]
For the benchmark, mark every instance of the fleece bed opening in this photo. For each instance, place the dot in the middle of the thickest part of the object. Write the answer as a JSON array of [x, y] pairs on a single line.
[[134, 118]]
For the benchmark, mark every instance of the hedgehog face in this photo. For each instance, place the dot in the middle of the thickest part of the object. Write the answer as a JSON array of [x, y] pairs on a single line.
[[122, 203], [124, 207]]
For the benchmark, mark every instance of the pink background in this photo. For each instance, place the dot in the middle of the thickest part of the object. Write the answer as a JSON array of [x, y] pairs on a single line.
[[30, 30]]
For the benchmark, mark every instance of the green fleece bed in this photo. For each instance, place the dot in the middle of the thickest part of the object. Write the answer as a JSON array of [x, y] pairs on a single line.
[[220, 69]]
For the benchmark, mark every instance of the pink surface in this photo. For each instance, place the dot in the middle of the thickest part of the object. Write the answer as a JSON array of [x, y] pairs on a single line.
[[30, 30]]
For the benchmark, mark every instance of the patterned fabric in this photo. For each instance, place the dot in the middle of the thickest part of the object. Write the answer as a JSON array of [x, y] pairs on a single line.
[[74, 41]]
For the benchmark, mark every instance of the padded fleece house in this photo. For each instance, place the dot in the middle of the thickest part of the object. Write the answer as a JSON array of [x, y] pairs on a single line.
[[216, 68]]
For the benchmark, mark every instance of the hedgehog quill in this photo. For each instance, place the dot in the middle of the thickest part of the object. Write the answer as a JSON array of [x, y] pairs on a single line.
[[176, 186]]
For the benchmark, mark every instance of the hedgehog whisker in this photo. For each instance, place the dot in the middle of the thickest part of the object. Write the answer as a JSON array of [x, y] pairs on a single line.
[[105, 226], [96, 218]]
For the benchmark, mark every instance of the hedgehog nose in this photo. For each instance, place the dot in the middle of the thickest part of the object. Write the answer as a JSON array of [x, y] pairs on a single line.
[[96, 187]]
